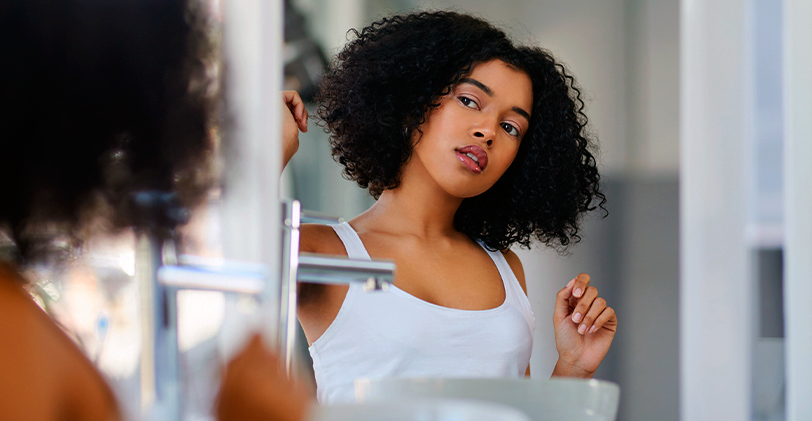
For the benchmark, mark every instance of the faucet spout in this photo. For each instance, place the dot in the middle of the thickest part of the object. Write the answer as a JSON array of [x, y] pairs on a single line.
[[321, 269]]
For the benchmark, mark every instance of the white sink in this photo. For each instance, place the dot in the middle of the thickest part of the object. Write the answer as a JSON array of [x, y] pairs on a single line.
[[419, 410], [543, 400]]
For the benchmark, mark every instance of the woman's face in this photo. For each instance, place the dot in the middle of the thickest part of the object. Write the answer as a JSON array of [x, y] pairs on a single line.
[[470, 140]]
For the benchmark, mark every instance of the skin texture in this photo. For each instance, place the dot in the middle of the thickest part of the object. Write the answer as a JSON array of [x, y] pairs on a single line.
[[413, 224]]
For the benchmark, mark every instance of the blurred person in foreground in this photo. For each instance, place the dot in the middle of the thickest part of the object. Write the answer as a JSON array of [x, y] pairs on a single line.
[[103, 99]]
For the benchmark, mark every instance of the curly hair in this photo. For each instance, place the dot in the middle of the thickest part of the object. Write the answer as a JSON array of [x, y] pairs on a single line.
[[103, 99], [386, 81]]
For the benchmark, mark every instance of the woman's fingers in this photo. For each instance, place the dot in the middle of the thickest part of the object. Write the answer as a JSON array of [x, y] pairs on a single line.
[[255, 387], [581, 284], [562, 303], [598, 306], [587, 297], [581, 304], [297, 107], [294, 120], [606, 319]]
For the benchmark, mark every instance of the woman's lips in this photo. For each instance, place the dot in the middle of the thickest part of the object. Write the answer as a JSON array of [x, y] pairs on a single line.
[[474, 157]]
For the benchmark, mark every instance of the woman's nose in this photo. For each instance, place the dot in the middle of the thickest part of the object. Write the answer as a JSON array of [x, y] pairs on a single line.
[[484, 134]]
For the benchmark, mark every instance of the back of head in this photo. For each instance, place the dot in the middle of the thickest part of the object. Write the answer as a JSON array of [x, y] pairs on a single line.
[[101, 100]]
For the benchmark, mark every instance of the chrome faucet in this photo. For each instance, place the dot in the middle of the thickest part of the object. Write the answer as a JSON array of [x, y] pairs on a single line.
[[374, 274], [161, 273]]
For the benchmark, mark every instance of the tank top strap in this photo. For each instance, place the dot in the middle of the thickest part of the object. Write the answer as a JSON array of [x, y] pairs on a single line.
[[513, 289], [508, 277], [352, 242]]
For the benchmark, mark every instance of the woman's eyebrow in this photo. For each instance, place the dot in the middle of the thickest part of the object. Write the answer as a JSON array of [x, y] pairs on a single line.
[[521, 112], [478, 84], [489, 92]]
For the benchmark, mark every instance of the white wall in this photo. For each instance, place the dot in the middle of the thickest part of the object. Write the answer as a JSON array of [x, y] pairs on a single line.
[[798, 207], [716, 288], [652, 40]]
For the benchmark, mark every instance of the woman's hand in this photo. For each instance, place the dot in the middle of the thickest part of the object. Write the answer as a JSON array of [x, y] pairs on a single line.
[[584, 328], [255, 388], [294, 118]]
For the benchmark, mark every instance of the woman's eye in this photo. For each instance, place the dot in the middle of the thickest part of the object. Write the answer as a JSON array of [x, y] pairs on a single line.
[[468, 102], [510, 129]]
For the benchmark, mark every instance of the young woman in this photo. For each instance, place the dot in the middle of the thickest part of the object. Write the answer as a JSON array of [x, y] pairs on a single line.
[[471, 144]]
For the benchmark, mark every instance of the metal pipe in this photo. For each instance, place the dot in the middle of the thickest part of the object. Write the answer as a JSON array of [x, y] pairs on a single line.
[[288, 294], [146, 262], [160, 392], [202, 278], [320, 269], [310, 217]]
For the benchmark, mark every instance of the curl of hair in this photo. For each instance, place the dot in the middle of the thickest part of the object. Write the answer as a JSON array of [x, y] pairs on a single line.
[[384, 83], [104, 99]]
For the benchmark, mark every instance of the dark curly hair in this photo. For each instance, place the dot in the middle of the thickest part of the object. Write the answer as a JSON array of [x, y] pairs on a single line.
[[102, 99], [386, 81]]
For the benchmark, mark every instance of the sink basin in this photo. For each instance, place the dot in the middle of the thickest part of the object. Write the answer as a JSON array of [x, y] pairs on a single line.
[[419, 410], [543, 400]]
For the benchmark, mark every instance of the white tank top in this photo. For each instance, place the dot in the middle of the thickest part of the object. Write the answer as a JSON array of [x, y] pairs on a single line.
[[395, 334]]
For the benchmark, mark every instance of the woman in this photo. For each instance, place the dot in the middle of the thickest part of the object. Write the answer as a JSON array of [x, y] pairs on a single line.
[[471, 145], [103, 99]]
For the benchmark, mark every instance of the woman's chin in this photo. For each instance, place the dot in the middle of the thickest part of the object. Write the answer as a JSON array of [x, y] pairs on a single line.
[[465, 192]]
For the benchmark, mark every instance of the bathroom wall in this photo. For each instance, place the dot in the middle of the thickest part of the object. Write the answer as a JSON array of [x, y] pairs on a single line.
[[632, 257]]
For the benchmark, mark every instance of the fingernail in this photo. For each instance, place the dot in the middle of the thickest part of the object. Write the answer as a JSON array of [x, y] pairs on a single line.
[[577, 292], [593, 329], [582, 329], [571, 282], [576, 317]]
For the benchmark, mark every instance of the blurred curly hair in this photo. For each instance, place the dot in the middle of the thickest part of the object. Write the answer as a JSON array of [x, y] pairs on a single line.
[[388, 78], [103, 99]]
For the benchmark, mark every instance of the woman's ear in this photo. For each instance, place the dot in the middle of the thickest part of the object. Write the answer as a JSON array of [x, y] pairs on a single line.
[[414, 135]]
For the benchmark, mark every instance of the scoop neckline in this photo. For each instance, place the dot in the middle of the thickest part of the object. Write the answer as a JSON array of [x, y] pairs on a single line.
[[423, 302]]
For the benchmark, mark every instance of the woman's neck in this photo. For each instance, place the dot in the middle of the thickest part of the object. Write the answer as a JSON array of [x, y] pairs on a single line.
[[418, 206]]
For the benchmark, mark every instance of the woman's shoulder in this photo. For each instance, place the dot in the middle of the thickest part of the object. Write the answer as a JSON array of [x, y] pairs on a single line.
[[52, 378], [21, 320], [318, 238]]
